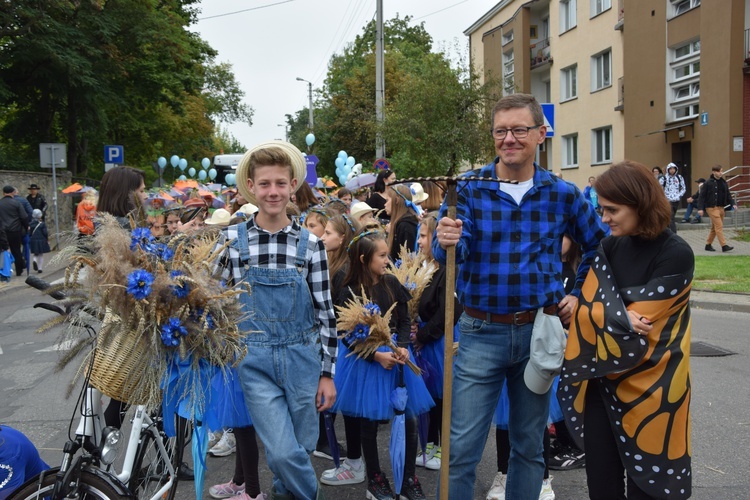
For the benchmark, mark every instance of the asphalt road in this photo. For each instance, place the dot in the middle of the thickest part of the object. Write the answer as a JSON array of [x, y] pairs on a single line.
[[32, 399]]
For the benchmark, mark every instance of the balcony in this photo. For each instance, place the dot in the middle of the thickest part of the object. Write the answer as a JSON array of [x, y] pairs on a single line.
[[540, 53], [620, 26], [620, 94]]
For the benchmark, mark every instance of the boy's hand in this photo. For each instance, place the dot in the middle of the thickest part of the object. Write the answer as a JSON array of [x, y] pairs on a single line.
[[326, 395]]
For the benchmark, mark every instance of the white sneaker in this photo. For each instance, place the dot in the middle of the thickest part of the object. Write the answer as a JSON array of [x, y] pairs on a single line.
[[434, 462], [423, 458], [226, 445], [547, 493], [497, 491], [345, 474]]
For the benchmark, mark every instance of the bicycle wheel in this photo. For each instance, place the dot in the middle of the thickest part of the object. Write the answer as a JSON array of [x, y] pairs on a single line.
[[150, 470], [90, 487]]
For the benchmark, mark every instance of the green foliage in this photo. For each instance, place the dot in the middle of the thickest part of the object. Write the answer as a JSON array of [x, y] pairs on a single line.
[[436, 110], [118, 72], [722, 273]]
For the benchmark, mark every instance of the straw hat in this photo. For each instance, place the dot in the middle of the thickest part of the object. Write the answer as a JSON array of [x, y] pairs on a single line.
[[417, 193], [359, 209], [247, 209], [299, 165], [220, 217]]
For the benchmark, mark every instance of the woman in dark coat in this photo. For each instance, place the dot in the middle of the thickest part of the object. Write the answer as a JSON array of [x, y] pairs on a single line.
[[38, 243]]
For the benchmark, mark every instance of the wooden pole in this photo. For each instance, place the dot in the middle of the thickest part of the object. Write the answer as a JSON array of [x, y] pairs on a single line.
[[450, 288]]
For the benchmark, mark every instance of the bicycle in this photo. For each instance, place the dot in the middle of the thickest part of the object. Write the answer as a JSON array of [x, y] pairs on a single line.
[[152, 460]]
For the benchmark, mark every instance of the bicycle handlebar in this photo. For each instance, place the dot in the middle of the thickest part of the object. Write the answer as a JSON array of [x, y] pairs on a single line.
[[43, 286]]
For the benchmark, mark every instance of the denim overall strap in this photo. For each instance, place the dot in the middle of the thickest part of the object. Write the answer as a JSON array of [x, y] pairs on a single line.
[[242, 242], [299, 260]]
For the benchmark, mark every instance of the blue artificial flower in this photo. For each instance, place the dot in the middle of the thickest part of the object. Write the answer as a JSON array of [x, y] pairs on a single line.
[[398, 263], [139, 283], [181, 289], [199, 314], [372, 309], [142, 237], [360, 332], [172, 331], [410, 285], [161, 250]]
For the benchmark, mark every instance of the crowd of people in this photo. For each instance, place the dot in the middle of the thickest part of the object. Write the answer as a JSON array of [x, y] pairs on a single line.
[[537, 260]]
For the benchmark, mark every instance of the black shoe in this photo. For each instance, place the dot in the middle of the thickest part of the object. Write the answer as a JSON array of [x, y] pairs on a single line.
[[684, 221], [40, 271], [727, 248], [378, 488], [709, 248], [567, 459], [412, 490], [324, 451], [185, 473], [36, 268], [695, 221]]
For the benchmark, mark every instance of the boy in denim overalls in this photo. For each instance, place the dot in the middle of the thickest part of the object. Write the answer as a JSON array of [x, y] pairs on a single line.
[[291, 325]]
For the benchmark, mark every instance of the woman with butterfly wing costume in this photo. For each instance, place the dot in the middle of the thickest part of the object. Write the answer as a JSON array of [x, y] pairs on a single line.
[[625, 385]]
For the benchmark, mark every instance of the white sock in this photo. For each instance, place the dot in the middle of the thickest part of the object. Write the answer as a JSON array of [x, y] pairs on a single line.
[[356, 463]]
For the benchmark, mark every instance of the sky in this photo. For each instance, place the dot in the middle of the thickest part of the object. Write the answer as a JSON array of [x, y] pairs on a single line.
[[272, 42]]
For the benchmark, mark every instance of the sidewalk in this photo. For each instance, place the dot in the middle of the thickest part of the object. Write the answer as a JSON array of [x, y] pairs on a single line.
[[694, 234]]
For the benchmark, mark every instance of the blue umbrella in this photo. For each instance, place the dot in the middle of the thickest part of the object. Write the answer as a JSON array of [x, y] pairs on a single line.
[[398, 432], [199, 449], [332, 441]]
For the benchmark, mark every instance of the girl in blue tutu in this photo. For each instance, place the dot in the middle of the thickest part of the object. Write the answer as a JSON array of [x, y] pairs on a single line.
[[364, 385], [428, 342]]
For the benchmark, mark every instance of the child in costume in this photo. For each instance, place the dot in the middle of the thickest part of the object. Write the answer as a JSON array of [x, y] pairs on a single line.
[[365, 384], [287, 374], [38, 242]]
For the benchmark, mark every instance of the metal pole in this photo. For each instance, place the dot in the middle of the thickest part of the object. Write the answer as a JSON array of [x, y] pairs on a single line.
[[379, 81], [54, 198], [309, 92]]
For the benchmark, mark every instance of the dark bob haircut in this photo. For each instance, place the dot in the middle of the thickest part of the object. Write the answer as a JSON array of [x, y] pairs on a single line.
[[633, 184], [116, 191]]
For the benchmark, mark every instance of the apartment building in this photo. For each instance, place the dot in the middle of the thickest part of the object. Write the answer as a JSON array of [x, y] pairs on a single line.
[[625, 78]]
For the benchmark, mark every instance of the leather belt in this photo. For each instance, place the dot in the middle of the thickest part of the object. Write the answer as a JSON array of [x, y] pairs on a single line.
[[517, 318]]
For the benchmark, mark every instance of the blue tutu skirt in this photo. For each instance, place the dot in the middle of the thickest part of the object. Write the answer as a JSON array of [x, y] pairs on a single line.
[[430, 359], [502, 410], [226, 407], [363, 388]]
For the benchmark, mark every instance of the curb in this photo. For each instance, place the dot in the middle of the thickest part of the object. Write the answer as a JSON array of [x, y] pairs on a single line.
[[720, 306]]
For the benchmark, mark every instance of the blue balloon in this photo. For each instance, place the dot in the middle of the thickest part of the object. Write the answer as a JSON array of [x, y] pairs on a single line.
[[230, 179], [205, 163], [191, 172], [182, 178], [212, 174], [342, 180], [162, 162], [310, 139], [175, 160], [340, 162], [342, 154], [202, 175], [183, 164], [350, 162]]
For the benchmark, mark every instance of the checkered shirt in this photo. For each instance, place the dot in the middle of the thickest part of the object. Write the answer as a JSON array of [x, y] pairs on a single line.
[[509, 255]]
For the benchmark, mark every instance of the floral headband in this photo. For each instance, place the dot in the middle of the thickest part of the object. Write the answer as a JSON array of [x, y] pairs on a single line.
[[350, 223], [409, 203], [371, 232]]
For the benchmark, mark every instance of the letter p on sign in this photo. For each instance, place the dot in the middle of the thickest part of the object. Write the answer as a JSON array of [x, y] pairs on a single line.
[[114, 154]]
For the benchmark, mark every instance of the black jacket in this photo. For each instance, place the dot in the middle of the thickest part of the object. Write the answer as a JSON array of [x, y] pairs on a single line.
[[714, 193], [405, 233], [432, 309], [12, 215]]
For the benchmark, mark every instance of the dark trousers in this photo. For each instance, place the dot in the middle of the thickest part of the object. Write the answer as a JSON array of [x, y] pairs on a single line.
[[370, 447], [605, 473], [246, 460], [15, 242], [673, 223]]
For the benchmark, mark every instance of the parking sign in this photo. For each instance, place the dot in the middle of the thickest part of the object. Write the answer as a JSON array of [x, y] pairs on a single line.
[[114, 154], [549, 118]]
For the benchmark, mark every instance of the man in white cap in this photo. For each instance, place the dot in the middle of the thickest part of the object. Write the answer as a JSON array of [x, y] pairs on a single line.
[[292, 342], [674, 188]]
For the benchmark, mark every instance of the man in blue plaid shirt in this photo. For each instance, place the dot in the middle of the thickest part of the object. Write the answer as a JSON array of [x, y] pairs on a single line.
[[508, 239]]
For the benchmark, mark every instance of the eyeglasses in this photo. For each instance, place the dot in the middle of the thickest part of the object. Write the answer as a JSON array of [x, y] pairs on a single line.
[[518, 132]]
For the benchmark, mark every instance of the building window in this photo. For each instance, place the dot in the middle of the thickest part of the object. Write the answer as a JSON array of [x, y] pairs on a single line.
[[680, 6], [601, 145], [599, 6], [569, 83], [567, 15], [508, 37], [601, 70], [684, 84], [509, 84], [570, 151]]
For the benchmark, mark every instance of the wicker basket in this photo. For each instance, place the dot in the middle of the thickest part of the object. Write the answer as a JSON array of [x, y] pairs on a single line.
[[119, 364]]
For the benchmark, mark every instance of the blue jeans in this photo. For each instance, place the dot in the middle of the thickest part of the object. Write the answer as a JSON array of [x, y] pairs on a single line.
[[280, 383], [689, 211], [488, 354]]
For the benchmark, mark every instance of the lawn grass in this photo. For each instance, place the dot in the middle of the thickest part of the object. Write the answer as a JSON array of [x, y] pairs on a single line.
[[722, 273]]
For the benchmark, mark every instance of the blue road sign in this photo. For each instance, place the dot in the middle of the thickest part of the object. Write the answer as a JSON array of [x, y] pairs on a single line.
[[381, 164], [549, 118], [114, 154], [312, 173], [704, 118]]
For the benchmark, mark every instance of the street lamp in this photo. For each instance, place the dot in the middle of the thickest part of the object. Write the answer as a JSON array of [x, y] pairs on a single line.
[[286, 130], [309, 94]]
